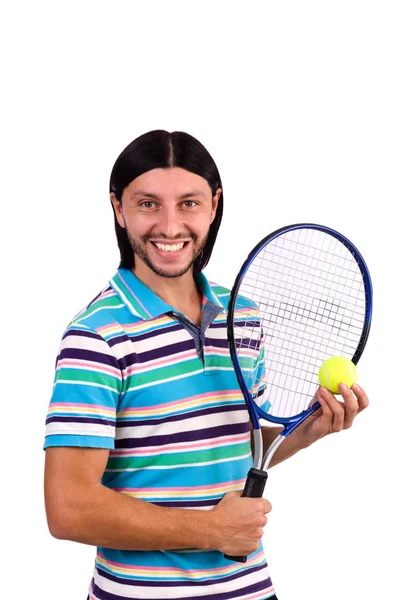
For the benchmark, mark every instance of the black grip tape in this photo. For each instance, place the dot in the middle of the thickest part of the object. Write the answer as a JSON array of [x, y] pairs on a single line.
[[254, 488]]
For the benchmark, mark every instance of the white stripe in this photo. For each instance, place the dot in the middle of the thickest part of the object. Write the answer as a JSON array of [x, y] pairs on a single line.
[[89, 383], [160, 340], [86, 343], [82, 429], [126, 302]]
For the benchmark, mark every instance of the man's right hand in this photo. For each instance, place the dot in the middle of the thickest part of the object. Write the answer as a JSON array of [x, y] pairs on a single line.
[[237, 524]]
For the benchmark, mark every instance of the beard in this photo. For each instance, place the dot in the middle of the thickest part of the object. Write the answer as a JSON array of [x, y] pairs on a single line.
[[139, 248]]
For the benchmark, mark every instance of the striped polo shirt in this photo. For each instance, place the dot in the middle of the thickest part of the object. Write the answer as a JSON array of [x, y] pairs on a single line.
[[135, 377]]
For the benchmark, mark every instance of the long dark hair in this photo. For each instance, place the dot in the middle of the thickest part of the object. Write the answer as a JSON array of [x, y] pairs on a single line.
[[160, 150]]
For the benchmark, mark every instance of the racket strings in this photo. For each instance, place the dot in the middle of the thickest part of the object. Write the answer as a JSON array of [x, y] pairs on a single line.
[[301, 300]]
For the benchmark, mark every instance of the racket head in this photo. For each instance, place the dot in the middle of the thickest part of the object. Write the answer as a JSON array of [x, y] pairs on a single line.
[[303, 294]]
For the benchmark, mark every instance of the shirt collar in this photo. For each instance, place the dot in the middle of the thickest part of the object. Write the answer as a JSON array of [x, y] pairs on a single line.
[[144, 303]]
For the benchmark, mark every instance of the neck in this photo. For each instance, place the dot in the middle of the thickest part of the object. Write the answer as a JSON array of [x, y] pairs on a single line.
[[181, 292]]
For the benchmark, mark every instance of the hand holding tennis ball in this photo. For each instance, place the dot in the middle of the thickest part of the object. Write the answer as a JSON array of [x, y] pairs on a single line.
[[335, 370]]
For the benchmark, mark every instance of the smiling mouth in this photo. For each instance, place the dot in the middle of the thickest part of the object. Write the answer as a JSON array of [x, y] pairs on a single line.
[[170, 247]]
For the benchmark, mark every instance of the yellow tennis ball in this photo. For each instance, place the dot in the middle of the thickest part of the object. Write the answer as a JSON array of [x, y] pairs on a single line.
[[335, 370]]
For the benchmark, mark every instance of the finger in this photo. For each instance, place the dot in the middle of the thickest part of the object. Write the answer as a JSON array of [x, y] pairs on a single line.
[[315, 399], [260, 505], [351, 405], [337, 409], [362, 397], [327, 412]]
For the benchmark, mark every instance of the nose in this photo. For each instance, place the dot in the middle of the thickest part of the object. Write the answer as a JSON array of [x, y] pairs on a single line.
[[170, 224]]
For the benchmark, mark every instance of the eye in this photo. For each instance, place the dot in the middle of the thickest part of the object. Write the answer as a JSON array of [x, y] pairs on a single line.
[[190, 203], [147, 204]]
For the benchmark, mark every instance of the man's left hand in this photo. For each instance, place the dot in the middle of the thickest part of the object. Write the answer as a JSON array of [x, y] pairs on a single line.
[[333, 415]]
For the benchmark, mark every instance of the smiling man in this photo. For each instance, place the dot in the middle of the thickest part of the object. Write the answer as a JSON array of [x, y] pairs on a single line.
[[148, 437], [166, 214]]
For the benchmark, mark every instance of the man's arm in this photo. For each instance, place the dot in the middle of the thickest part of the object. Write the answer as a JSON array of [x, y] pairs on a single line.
[[79, 508], [290, 446], [333, 416]]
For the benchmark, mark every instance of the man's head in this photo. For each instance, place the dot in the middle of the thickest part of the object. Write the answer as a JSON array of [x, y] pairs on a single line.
[[167, 199]]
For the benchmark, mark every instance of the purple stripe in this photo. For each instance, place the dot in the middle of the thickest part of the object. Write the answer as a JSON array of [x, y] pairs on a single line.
[[188, 503], [216, 343], [188, 583], [90, 355], [247, 343], [81, 333], [217, 325], [182, 417], [165, 351], [118, 339], [78, 333], [239, 322], [184, 436]]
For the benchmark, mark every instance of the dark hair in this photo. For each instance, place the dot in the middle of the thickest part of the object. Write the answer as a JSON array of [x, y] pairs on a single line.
[[160, 150]]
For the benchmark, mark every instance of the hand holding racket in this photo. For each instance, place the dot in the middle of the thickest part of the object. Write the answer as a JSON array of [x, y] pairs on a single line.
[[303, 295]]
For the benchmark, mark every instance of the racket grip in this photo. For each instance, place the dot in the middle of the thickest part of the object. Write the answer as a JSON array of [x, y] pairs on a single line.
[[254, 488]]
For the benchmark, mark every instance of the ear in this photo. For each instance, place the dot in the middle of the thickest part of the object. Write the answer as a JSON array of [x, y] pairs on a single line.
[[118, 210], [215, 201]]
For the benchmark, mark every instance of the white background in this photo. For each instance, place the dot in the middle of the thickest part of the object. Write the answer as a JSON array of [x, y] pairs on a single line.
[[296, 102]]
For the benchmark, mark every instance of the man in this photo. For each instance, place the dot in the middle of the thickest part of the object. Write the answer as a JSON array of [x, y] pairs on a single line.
[[148, 438]]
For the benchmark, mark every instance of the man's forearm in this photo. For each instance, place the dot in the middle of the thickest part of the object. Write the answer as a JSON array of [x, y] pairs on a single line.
[[290, 446], [110, 519]]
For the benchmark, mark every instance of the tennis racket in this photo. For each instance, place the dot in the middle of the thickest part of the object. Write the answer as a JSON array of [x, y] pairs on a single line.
[[304, 294]]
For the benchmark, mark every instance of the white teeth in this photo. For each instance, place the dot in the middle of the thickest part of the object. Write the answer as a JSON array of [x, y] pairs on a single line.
[[168, 247]]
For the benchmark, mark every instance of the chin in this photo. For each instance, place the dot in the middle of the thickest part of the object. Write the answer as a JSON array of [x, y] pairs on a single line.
[[172, 273]]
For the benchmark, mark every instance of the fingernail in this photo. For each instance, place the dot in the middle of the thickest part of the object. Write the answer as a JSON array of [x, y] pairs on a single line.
[[356, 387], [342, 387]]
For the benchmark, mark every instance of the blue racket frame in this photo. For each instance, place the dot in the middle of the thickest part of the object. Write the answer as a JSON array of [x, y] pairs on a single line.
[[257, 477], [292, 423]]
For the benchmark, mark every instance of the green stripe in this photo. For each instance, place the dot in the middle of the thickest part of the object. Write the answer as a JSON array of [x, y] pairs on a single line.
[[100, 304], [223, 362], [181, 458], [219, 289], [159, 375], [79, 376]]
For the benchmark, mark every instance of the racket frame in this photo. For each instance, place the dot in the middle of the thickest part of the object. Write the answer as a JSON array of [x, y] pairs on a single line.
[[257, 477], [291, 423]]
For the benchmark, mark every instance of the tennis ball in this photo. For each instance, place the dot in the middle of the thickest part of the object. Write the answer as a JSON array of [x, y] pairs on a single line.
[[335, 370]]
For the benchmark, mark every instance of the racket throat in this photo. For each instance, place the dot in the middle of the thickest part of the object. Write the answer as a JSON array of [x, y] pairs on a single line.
[[271, 451], [258, 447]]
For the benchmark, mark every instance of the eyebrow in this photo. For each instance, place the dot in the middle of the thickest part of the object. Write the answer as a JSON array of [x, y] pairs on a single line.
[[146, 194]]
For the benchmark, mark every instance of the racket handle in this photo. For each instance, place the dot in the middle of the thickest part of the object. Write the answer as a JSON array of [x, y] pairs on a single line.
[[254, 488]]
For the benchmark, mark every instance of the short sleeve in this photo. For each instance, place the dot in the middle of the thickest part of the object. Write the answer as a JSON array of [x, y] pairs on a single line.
[[87, 385]]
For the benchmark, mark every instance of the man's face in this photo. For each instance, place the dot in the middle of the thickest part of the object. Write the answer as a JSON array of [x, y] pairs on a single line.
[[167, 214]]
